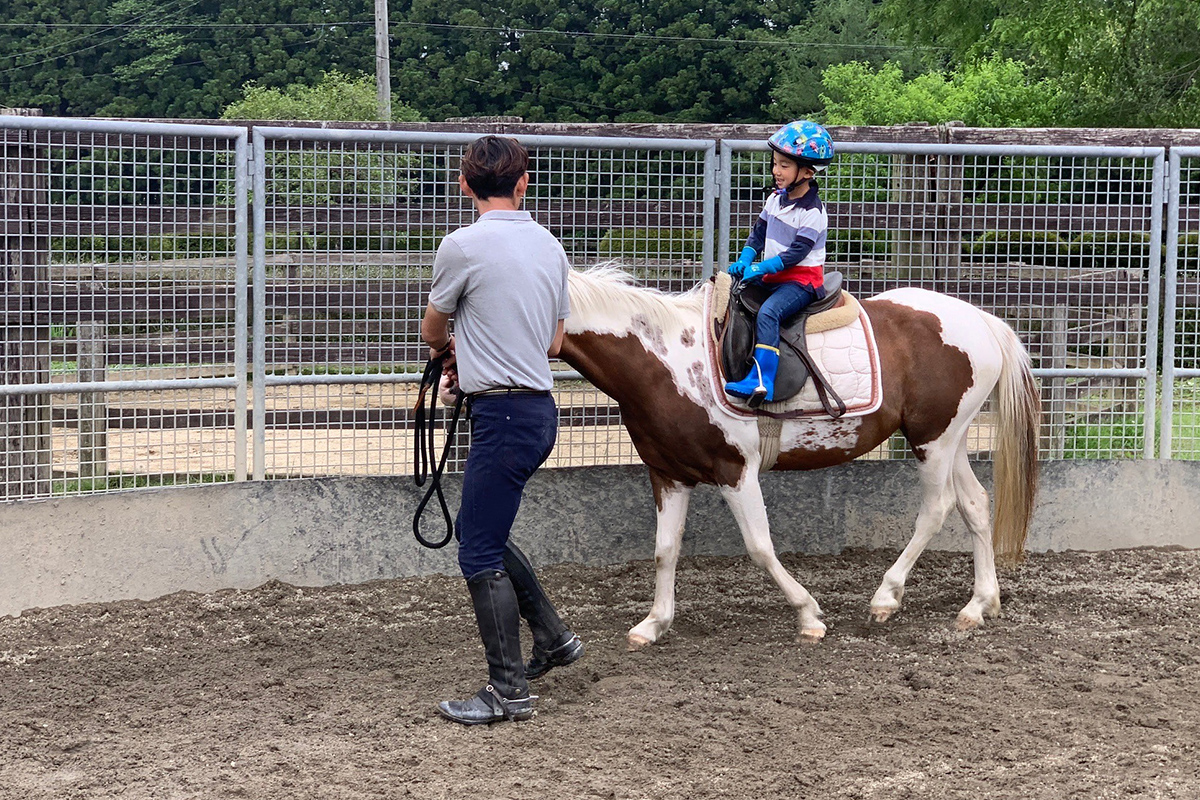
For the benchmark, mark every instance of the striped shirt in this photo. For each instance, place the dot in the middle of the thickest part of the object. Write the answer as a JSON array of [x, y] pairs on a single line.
[[794, 230]]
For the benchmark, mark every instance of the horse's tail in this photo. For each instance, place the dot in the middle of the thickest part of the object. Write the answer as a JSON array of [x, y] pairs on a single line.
[[1016, 454]]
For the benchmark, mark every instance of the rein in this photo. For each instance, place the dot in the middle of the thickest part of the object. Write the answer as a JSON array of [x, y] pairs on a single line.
[[425, 462]]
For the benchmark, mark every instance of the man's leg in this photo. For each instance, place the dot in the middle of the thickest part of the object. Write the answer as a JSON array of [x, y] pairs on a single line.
[[511, 437], [554, 644], [491, 496]]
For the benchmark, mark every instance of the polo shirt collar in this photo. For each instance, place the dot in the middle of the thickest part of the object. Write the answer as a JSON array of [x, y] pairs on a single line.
[[518, 215], [808, 200]]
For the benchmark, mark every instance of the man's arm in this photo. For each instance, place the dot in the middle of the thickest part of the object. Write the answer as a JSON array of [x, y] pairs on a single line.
[[556, 345], [435, 329]]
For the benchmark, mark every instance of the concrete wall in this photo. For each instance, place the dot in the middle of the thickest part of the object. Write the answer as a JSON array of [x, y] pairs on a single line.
[[145, 544]]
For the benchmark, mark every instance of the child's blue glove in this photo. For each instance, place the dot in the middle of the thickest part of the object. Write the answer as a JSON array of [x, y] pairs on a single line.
[[766, 267], [738, 267]]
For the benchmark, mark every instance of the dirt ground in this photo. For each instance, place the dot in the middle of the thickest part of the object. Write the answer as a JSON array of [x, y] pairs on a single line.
[[1088, 686]]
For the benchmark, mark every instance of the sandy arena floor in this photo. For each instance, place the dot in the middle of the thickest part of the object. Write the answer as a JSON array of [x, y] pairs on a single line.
[[1087, 687]]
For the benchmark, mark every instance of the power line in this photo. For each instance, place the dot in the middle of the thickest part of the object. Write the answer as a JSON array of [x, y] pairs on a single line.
[[647, 37], [104, 28], [114, 25]]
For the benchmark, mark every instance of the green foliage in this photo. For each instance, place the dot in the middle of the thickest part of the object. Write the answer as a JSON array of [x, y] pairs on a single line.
[[1101, 251], [836, 32], [987, 93], [1122, 436], [654, 243], [159, 71], [336, 96], [600, 60], [1121, 63]]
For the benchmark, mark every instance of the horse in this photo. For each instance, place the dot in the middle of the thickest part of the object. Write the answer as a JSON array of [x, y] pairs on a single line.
[[941, 359]]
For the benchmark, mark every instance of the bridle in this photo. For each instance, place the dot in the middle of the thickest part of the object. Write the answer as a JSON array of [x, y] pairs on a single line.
[[425, 452]]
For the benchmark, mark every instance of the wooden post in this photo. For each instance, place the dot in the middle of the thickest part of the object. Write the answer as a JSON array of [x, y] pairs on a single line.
[[93, 408], [914, 188], [1056, 415], [24, 334], [383, 64]]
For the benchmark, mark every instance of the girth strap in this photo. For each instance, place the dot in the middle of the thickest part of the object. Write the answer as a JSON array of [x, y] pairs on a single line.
[[770, 429]]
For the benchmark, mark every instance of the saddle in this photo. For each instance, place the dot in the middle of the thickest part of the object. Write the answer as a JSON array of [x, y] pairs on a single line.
[[796, 364]]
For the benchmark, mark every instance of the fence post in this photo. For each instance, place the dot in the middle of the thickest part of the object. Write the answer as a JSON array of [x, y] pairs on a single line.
[[24, 336], [914, 189], [1056, 416], [93, 409]]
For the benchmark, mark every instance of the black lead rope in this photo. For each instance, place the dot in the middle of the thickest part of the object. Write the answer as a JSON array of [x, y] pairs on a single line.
[[425, 457]]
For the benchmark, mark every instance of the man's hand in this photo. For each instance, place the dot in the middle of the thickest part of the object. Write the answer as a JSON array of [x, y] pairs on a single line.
[[448, 390]]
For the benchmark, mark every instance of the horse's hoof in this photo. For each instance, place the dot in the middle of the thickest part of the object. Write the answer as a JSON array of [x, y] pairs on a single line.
[[635, 642], [810, 635], [966, 623], [880, 614]]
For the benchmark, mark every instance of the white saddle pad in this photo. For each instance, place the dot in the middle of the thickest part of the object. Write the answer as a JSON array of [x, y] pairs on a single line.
[[846, 355]]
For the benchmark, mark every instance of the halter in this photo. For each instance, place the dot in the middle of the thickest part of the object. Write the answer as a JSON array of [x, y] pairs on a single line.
[[425, 452]]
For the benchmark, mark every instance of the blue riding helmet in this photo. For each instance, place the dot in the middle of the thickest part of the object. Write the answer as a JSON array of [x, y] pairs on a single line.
[[806, 142]]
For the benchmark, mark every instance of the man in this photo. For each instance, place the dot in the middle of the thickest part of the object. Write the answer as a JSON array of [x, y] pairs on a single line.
[[504, 279]]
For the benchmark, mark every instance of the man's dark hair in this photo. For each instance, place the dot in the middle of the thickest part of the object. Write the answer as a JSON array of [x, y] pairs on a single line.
[[492, 166]]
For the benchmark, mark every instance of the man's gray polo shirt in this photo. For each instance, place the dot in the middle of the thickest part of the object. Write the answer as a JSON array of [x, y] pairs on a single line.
[[505, 280]]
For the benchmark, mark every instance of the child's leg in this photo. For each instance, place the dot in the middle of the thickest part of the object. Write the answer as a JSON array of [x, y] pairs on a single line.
[[786, 300]]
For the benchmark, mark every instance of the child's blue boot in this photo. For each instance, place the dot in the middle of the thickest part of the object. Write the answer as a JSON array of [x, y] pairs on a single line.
[[758, 386]]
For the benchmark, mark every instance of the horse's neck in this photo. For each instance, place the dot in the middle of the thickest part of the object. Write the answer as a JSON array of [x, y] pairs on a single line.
[[630, 358]]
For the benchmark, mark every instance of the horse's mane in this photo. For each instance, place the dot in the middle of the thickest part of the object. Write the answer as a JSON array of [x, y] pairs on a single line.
[[607, 289]]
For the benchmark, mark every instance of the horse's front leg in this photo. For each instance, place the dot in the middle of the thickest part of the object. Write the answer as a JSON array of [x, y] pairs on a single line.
[[746, 502], [671, 499]]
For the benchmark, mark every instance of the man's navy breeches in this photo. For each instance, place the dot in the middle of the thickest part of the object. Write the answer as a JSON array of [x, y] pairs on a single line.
[[511, 436]]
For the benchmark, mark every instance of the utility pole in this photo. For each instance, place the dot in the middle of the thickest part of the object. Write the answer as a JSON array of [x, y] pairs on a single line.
[[383, 66]]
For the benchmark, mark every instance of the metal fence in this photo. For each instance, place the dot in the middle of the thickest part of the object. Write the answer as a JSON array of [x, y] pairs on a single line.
[[1180, 433], [125, 319], [1063, 243], [346, 227], [131, 358]]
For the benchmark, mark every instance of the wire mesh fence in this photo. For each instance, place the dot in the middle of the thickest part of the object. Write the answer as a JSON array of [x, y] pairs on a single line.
[[1062, 243], [125, 275], [130, 355], [1180, 431], [349, 227]]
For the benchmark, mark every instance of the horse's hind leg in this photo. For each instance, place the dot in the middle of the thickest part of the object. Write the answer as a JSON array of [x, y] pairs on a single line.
[[746, 502], [972, 501], [936, 501], [671, 500]]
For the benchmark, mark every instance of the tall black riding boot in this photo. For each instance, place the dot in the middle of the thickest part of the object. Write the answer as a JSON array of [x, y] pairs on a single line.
[[554, 645], [506, 695]]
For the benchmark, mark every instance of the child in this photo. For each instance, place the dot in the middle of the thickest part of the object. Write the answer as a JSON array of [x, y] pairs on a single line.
[[790, 235]]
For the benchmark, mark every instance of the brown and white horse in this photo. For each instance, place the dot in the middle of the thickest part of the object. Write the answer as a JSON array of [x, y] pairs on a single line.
[[941, 359]]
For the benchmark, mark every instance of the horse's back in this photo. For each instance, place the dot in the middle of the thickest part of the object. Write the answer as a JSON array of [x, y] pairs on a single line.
[[958, 324]]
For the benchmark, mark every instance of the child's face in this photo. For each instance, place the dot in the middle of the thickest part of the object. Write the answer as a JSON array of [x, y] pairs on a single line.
[[786, 172]]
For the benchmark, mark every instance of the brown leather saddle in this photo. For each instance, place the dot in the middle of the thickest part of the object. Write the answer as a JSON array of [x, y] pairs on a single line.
[[796, 365]]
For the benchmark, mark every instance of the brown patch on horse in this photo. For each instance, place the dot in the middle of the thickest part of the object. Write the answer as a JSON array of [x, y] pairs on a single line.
[[924, 380], [688, 337], [672, 433], [936, 375]]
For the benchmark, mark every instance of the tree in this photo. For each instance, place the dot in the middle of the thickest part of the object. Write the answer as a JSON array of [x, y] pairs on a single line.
[[602, 60], [836, 32], [986, 93], [336, 96], [1121, 62]]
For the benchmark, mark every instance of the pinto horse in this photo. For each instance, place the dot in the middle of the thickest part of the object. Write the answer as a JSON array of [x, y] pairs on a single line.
[[941, 359]]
